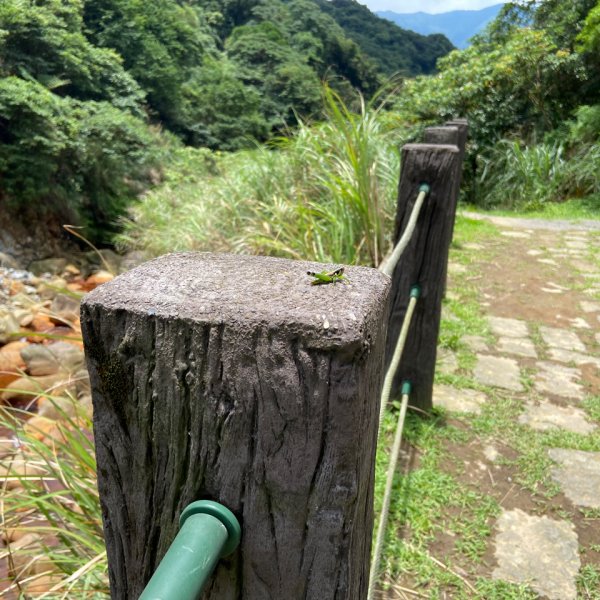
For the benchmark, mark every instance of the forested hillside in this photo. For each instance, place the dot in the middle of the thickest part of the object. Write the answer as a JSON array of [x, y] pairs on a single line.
[[87, 87], [96, 97], [393, 49], [529, 86]]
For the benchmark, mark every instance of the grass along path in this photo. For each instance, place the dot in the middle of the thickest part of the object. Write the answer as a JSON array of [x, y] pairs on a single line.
[[498, 493]]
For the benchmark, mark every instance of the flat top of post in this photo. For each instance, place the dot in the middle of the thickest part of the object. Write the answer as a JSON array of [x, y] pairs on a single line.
[[218, 288]]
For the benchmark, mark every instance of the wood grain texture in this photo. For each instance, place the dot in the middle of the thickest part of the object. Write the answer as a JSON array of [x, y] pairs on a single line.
[[232, 378], [453, 133], [423, 262]]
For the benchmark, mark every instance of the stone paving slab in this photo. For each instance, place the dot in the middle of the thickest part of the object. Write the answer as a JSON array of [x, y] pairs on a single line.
[[476, 343], [516, 234], [558, 379], [554, 288], [518, 346], [578, 474], [502, 326], [446, 361], [567, 356], [537, 551], [589, 307], [562, 338], [498, 372], [579, 323], [546, 415], [577, 244], [457, 400]]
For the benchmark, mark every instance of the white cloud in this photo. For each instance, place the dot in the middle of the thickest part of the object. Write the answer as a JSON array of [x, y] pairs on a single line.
[[428, 6]]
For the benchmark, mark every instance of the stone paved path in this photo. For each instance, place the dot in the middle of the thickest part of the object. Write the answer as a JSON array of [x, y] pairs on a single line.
[[545, 321]]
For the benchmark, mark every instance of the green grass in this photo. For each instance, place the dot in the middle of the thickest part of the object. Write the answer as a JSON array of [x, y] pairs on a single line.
[[575, 209], [61, 499], [429, 502], [326, 193]]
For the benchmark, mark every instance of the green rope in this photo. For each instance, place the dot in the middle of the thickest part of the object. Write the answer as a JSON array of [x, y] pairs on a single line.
[[389, 266], [415, 292], [387, 497]]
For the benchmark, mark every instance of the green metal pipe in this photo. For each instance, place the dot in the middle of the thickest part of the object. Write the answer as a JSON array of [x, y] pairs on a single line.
[[207, 532]]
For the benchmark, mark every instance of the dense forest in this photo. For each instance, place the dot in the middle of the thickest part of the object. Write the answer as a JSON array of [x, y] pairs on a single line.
[[93, 91], [104, 100]]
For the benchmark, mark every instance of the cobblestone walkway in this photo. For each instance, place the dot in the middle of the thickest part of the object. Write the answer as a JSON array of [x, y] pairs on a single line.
[[543, 312]]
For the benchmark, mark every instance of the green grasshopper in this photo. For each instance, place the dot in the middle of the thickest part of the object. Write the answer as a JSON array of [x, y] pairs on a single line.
[[324, 277]]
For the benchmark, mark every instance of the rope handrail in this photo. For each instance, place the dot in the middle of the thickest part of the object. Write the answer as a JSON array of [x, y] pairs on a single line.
[[389, 266], [387, 497], [415, 292]]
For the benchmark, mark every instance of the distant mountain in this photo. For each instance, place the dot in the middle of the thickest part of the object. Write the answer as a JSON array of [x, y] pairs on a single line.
[[391, 48], [457, 25]]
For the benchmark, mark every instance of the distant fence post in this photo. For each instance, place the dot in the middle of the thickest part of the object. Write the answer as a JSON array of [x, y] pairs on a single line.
[[463, 135], [423, 262], [231, 378], [454, 133]]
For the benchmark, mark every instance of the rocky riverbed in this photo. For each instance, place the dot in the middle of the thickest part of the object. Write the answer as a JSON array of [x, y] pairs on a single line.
[[43, 374]]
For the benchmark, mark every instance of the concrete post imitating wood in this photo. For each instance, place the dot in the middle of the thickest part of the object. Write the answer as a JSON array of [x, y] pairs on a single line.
[[423, 262], [233, 379], [453, 133], [463, 135]]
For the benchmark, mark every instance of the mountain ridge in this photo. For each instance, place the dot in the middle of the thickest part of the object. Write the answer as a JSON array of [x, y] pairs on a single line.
[[392, 48], [457, 25]]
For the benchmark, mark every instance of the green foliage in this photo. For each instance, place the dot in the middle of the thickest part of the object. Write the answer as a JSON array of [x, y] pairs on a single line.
[[589, 37], [520, 176], [326, 193], [521, 82], [80, 160], [515, 175], [45, 42], [219, 109], [586, 127], [269, 63], [160, 41], [526, 84]]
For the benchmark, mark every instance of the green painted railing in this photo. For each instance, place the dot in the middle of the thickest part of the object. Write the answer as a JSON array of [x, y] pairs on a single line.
[[208, 531]]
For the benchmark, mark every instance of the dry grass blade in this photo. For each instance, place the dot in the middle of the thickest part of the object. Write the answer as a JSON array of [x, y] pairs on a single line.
[[62, 494], [68, 583], [440, 564]]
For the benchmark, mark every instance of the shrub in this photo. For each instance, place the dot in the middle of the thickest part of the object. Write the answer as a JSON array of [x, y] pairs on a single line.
[[82, 161]]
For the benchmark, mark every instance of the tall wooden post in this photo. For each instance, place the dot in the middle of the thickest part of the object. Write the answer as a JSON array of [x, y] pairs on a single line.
[[463, 135], [232, 378], [454, 133], [423, 262]]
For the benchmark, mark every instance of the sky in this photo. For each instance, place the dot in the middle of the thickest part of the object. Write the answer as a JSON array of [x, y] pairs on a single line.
[[428, 6]]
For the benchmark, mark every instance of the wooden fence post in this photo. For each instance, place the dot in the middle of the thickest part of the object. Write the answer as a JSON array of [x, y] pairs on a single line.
[[231, 378], [423, 262], [454, 133], [463, 135]]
